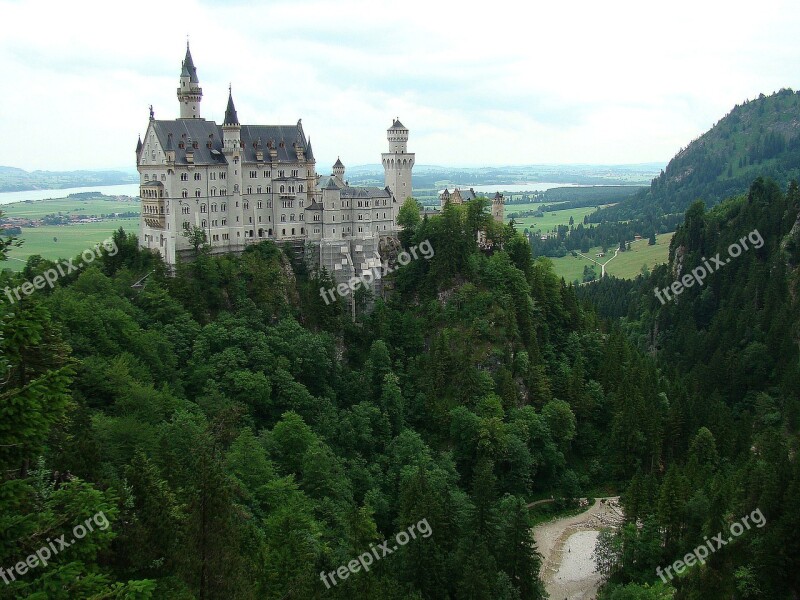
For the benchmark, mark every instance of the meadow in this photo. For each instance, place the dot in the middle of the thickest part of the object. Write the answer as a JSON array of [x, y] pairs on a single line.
[[551, 219], [64, 241], [626, 265], [91, 207]]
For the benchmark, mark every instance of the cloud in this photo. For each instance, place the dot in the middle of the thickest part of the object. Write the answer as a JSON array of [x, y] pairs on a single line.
[[573, 81]]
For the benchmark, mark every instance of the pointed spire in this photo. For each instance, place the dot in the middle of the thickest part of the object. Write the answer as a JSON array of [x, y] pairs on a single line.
[[309, 152], [139, 145], [338, 163], [230, 112], [189, 69]]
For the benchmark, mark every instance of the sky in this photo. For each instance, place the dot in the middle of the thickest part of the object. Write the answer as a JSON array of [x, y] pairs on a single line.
[[477, 84]]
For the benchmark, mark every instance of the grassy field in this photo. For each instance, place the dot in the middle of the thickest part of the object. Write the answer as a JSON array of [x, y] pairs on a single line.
[[36, 209], [626, 265], [551, 220], [64, 241]]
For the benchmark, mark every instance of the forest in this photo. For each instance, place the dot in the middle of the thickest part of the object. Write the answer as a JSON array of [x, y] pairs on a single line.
[[241, 436]]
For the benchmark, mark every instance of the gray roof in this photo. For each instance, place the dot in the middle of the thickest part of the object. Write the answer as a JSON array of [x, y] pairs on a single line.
[[314, 206], [397, 125], [331, 185], [231, 118], [188, 68], [366, 192], [338, 163], [201, 130]]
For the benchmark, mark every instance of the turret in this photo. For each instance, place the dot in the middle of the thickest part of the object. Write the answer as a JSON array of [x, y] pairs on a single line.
[[189, 91], [338, 169], [231, 128], [397, 165], [498, 207]]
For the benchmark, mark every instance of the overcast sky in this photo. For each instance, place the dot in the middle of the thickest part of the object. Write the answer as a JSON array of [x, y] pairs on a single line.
[[510, 82]]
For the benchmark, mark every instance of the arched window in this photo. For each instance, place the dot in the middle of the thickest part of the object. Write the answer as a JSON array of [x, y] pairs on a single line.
[[185, 193], [283, 189], [197, 193], [214, 207], [202, 208]]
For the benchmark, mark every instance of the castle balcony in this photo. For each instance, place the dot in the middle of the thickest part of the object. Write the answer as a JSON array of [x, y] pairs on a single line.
[[153, 204]]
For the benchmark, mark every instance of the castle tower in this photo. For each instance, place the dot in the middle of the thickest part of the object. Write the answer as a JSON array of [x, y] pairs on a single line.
[[231, 128], [338, 169], [397, 165], [189, 91], [498, 207]]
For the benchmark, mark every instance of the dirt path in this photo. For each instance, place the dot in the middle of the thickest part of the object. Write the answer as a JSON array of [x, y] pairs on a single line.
[[566, 546]]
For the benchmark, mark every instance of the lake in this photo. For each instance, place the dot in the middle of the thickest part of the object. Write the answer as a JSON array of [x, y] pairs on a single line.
[[128, 189], [516, 188]]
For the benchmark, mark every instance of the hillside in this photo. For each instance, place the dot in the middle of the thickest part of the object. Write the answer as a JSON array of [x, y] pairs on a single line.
[[758, 138], [727, 349], [19, 180]]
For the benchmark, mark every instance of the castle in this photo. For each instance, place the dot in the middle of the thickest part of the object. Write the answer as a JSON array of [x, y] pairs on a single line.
[[243, 184]]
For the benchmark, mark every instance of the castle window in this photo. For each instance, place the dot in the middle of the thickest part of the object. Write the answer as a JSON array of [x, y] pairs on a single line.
[[214, 207], [283, 189], [302, 217], [300, 187], [246, 205], [269, 190], [283, 218], [202, 208], [147, 177], [224, 222], [205, 223], [184, 177], [250, 219], [223, 192], [259, 218], [294, 172], [184, 210], [260, 204], [302, 230], [235, 187], [291, 217], [197, 193], [223, 207], [222, 175], [283, 232], [185, 193], [213, 191], [197, 176], [360, 217], [186, 225], [258, 190], [280, 173], [214, 222], [249, 189], [253, 174], [212, 175], [267, 174]]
